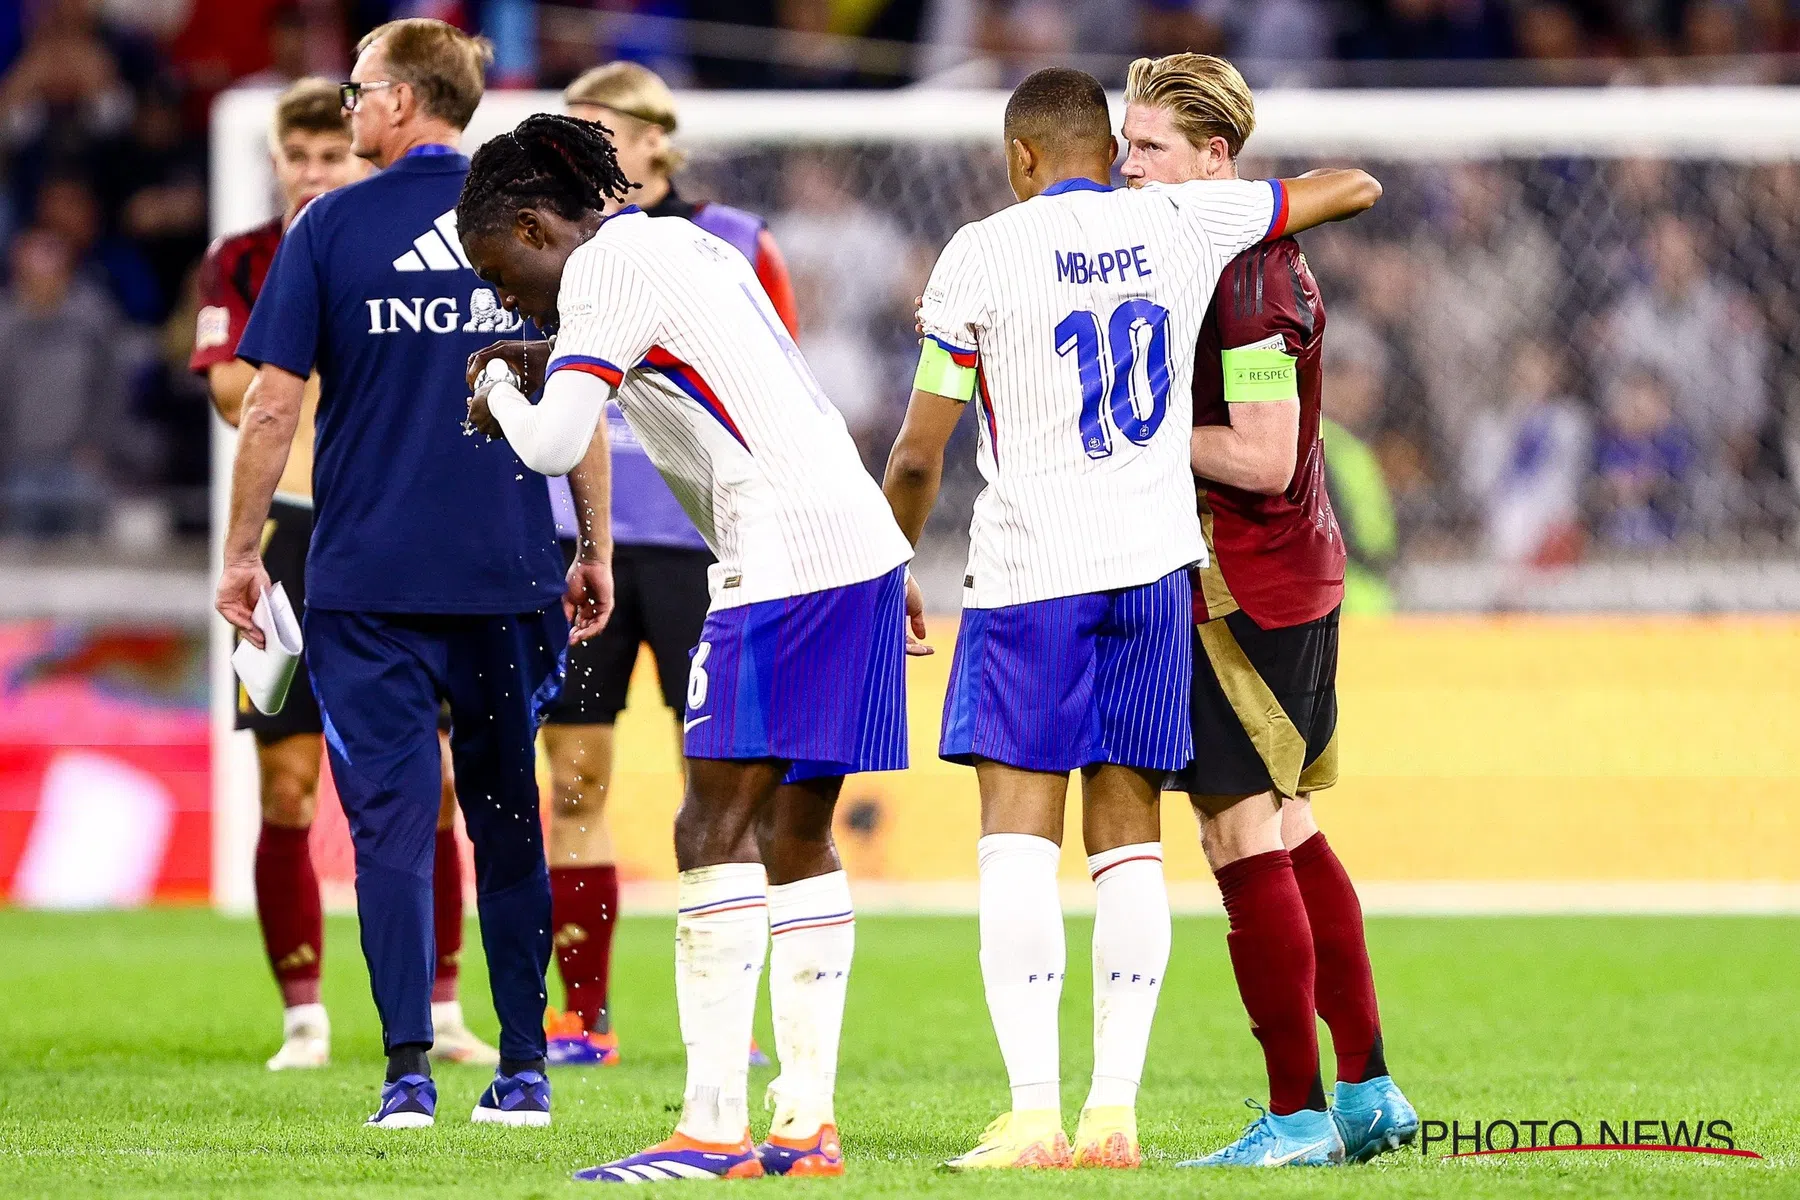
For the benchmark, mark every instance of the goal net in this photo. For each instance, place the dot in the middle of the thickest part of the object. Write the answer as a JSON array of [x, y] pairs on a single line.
[[1563, 353]]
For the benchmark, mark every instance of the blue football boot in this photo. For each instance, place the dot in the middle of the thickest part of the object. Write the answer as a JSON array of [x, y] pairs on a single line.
[[1308, 1138], [522, 1099], [410, 1102], [1373, 1117]]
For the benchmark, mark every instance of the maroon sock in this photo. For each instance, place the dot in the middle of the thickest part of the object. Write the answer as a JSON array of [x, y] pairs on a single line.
[[1345, 989], [1272, 956], [447, 912], [287, 906], [583, 904]]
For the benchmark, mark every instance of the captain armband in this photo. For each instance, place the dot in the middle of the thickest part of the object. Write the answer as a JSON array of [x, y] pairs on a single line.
[[1260, 375], [944, 371]]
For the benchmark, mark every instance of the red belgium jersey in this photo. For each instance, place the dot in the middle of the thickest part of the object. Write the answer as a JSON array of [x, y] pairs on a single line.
[[231, 276], [1280, 559]]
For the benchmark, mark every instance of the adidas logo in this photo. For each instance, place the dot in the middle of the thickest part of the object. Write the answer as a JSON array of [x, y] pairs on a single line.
[[437, 249]]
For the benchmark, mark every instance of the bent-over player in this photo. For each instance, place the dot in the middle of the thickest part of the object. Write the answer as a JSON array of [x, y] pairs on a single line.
[[797, 679], [660, 565]]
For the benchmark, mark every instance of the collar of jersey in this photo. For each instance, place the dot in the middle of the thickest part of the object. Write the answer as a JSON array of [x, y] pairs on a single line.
[[1075, 185], [623, 212], [432, 157]]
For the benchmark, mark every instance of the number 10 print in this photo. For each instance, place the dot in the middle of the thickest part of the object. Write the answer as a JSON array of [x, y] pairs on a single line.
[[1137, 392]]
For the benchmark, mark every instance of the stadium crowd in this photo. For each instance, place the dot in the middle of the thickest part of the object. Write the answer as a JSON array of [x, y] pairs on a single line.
[[1548, 360]]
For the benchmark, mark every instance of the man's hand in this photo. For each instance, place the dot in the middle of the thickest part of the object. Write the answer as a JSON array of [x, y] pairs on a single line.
[[915, 619], [481, 417], [241, 585], [527, 360], [589, 601]]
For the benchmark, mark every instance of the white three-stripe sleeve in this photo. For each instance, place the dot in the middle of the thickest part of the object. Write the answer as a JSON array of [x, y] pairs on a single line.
[[958, 301], [609, 308], [1231, 214]]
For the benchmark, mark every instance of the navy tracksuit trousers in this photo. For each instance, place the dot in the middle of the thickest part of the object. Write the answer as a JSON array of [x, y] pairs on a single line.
[[380, 680]]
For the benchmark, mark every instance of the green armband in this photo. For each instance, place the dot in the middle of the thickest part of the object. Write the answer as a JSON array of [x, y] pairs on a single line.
[[1259, 376], [944, 373]]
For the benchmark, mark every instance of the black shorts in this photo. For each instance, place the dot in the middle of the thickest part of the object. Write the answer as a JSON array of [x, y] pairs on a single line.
[[660, 596], [1264, 708], [286, 535]]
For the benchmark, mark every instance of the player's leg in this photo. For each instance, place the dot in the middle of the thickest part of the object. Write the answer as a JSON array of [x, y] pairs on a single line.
[[1248, 752], [812, 934], [721, 938], [1372, 1113], [455, 1041], [1142, 672], [287, 892], [584, 886], [1122, 830], [1021, 709], [377, 683], [794, 692], [502, 673]]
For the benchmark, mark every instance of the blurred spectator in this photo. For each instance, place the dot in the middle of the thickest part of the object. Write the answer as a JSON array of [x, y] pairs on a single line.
[[287, 38], [155, 180], [851, 269], [1400, 424], [1702, 338], [1274, 42], [1712, 43], [1550, 36], [1644, 463], [1492, 277], [1526, 461], [226, 40], [61, 409], [1355, 374], [66, 91], [68, 207], [1431, 30]]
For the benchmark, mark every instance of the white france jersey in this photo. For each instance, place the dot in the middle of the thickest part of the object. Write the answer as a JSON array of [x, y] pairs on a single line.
[[726, 408], [1081, 308]]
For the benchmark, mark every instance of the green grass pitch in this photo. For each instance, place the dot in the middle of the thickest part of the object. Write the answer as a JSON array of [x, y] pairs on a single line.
[[131, 1051]]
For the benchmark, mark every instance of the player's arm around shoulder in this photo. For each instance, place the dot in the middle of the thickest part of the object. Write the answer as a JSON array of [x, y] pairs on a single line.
[[1327, 194]]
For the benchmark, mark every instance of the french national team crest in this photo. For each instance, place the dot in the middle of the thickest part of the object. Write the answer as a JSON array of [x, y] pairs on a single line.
[[486, 315]]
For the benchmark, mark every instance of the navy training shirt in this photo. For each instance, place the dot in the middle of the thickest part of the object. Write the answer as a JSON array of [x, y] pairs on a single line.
[[411, 515]]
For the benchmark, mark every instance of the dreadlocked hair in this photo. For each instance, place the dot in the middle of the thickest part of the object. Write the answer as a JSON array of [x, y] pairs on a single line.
[[550, 161]]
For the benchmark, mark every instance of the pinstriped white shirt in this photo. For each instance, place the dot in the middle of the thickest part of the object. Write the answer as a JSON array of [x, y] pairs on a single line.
[[726, 408], [1081, 307]]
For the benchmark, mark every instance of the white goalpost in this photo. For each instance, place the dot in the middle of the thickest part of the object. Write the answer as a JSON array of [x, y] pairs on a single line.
[[939, 151]]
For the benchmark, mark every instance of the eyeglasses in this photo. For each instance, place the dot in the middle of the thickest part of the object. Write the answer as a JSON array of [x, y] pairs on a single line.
[[350, 94]]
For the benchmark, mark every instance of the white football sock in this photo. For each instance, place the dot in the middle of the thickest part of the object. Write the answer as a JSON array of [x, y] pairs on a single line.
[[1131, 955], [308, 1019], [1023, 958], [446, 1014], [812, 933], [721, 936]]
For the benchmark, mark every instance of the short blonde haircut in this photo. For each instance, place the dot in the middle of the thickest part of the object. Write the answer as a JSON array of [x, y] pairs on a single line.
[[637, 92], [309, 105], [1206, 95], [445, 66]]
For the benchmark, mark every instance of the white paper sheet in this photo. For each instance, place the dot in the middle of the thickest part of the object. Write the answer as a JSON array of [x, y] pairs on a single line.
[[267, 673]]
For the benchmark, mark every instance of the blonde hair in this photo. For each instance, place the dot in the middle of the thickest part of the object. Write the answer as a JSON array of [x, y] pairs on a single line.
[[445, 66], [634, 91], [309, 105], [1206, 95]]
